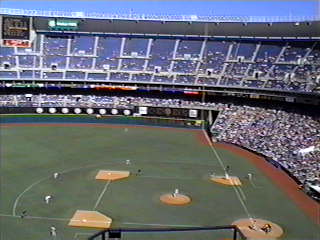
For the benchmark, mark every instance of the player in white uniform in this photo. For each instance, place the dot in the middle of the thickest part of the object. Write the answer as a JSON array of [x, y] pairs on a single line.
[[53, 231], [176, 192], [47, 199]]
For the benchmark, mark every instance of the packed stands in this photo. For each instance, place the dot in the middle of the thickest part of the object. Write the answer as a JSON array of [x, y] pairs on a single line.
[[277, 134], [282, 65]]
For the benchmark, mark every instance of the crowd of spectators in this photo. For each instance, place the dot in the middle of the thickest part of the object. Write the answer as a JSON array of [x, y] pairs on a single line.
[[44, 100], [288, 66], [277, 134]]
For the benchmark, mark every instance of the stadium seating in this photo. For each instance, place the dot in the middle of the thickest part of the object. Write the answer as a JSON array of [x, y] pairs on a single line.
[[275, 133], [282, 65]]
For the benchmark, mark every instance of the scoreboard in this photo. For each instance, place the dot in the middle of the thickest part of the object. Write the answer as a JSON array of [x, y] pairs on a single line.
[[169, 112], [15, 28]]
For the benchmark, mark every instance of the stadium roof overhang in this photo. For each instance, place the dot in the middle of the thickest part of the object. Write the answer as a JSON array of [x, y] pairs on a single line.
[[192, 25], [227, 29]]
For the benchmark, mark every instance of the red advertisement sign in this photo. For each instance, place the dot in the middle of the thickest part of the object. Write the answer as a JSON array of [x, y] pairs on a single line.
[[17, 43]]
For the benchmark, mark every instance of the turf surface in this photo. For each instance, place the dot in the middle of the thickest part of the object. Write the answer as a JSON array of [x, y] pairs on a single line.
[[169, 159]]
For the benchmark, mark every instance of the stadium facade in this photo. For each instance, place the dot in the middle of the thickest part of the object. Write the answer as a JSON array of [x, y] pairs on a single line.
[[173, 70], [268, 58]]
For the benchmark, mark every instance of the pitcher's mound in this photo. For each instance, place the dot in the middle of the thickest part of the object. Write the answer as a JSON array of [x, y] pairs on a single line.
[[231, 181], [90, 219], [110, 175], [175, 199], [259, 228]]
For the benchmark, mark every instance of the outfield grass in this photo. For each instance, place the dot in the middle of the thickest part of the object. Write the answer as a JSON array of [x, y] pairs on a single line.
[[169, 159]]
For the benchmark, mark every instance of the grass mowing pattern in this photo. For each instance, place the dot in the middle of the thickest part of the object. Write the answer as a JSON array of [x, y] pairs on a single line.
[[168, 158]]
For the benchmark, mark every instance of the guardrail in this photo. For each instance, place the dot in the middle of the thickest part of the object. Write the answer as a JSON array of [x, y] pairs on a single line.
[[155, 17]]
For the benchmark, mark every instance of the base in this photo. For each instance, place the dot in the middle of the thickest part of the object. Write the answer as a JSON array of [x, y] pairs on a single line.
[[90, 219], [231, 181], [253, 228], [175, 199], [109, 175]]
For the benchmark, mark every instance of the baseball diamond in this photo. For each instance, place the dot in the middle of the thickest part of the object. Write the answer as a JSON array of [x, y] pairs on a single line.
[[169, 158]]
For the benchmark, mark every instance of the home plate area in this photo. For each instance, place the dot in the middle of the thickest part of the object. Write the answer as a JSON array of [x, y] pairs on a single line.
[[251, 228], [95, 219]]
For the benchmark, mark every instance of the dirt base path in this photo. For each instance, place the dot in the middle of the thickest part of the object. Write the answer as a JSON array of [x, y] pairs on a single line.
[[280, 178]]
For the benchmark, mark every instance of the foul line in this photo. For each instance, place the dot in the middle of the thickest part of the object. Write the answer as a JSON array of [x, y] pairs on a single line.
[[47, 218], [126, 223], [20, 195], [239, 189], [242, 193], [101, 194], [39, 181], [35, 217], [223, 167]]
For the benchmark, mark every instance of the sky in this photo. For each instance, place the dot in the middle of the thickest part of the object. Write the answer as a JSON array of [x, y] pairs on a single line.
[[213, 7]]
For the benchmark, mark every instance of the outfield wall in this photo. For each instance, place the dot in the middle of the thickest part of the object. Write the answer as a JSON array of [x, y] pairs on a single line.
[[91, 119]]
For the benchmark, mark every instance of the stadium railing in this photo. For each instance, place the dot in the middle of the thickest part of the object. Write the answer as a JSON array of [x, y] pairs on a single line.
[[215, 232], [167, 17]]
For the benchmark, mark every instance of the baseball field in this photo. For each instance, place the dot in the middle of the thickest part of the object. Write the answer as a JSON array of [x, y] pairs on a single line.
[[159, 160]]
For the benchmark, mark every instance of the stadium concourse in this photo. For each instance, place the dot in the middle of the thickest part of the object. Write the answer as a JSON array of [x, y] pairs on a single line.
[[277, 134]]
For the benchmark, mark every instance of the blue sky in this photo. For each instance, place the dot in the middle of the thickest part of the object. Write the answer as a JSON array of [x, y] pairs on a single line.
[[236, 8]]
